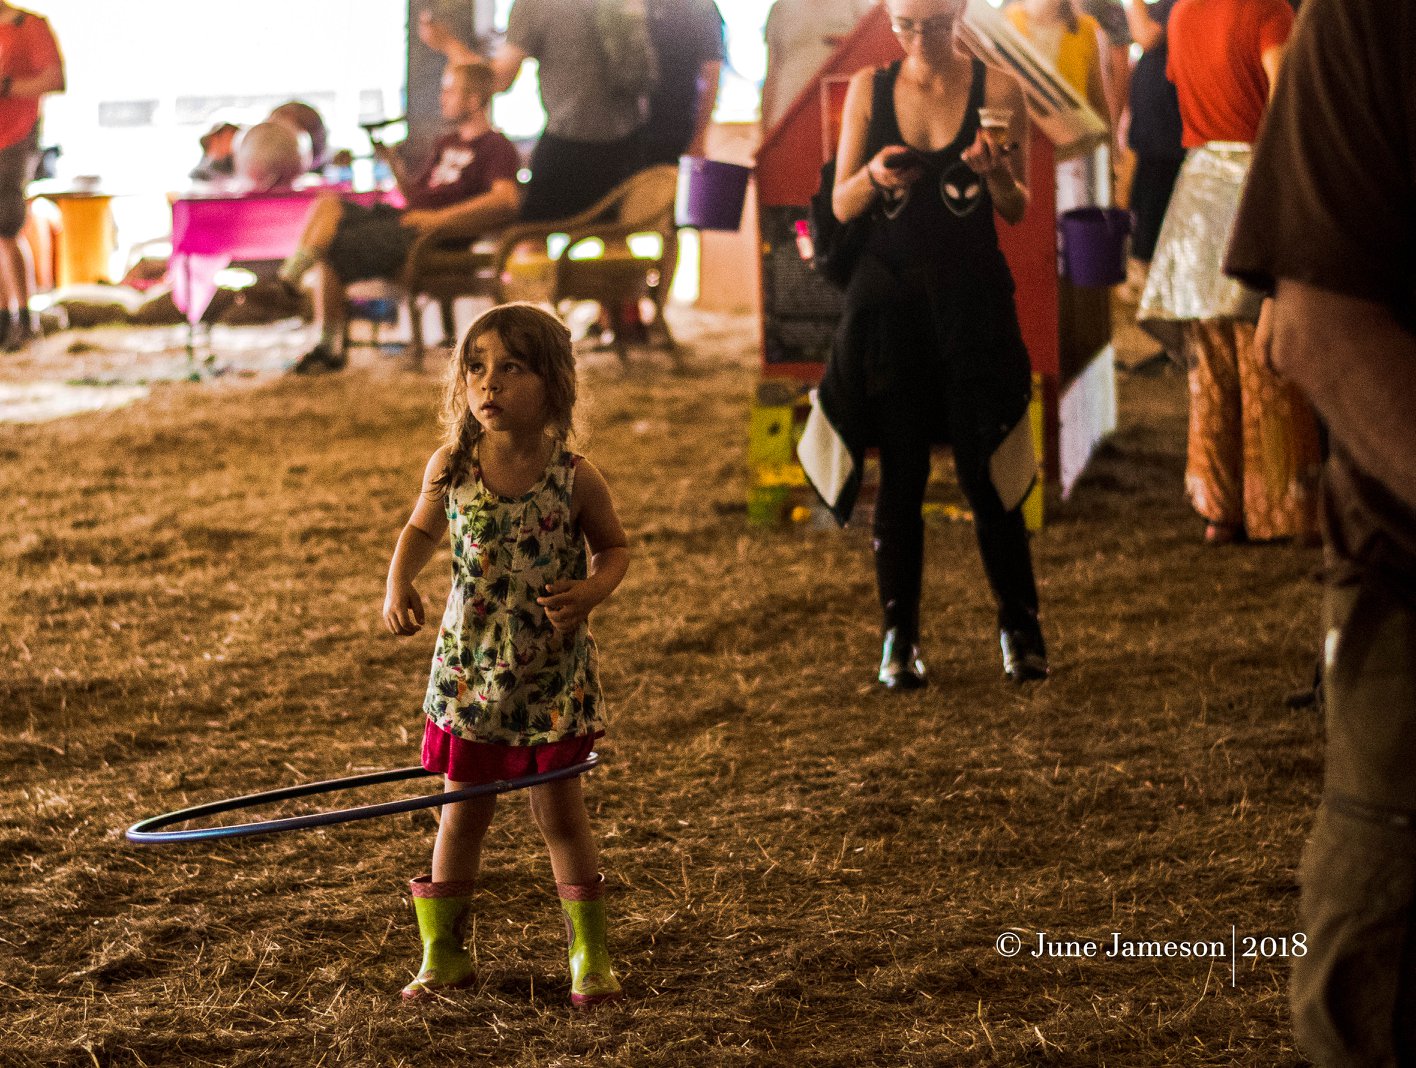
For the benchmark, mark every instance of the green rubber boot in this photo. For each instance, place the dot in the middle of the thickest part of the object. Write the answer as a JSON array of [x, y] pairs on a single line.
[[592, 979], [443, 911]]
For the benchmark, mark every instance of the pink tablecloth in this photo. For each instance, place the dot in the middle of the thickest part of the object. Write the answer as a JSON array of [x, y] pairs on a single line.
[[209, 232]]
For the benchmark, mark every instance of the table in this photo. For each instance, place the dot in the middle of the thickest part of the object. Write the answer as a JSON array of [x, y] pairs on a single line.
[[209, 232]]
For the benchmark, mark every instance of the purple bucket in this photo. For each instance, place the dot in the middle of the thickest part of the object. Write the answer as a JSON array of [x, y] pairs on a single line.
[[1094, 245], [710, 193]]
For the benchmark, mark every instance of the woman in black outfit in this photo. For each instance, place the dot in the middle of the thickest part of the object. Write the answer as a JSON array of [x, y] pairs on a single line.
[[929, 350]]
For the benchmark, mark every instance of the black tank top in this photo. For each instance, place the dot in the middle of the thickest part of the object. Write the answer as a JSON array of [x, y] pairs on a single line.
[[946, 222]]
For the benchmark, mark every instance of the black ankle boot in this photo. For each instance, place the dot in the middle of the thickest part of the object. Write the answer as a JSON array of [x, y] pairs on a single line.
[[1024, 654], [900, 665]]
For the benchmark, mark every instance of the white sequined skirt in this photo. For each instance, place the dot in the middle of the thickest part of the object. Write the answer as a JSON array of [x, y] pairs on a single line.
[[1187, 279]]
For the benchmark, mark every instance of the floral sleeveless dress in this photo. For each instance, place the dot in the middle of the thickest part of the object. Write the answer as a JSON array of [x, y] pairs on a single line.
[[501, 674]]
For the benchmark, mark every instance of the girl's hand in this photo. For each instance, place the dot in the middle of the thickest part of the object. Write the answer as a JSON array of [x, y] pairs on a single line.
[[894, 169], [403, 610], [985, 157], [567, 603]]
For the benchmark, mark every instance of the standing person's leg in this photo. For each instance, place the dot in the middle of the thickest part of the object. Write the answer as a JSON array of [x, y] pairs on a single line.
[[14, 279], [559, 811], [1006, 554], [1282, 450], [1215, 445], [1354, 990], [1150, 195], [17, 166], [898, 541]]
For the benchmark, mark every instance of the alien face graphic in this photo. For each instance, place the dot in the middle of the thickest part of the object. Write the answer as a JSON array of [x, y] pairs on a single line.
[[961, 189], [893, 207]]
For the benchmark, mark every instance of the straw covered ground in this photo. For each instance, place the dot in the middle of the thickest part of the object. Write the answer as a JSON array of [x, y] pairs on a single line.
[[804, 871]]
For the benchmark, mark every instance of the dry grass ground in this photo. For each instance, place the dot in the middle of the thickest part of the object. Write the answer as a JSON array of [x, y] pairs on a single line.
[[805, 871]]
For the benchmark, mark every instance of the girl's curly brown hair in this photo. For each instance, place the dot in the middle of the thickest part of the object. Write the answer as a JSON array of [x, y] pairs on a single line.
[[535, 336]]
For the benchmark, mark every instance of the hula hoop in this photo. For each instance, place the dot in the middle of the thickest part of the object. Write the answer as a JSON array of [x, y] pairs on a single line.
[[147, 831]]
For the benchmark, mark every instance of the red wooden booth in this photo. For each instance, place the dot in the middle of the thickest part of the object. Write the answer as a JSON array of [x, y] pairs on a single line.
[[1067, 330]]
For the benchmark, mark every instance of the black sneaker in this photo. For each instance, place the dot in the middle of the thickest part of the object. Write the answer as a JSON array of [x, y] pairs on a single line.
[[900, 665], [318, 361], [18, 336], [1024, 655]]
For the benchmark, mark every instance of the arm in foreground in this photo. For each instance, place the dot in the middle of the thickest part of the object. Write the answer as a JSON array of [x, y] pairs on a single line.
[[1357, 364]]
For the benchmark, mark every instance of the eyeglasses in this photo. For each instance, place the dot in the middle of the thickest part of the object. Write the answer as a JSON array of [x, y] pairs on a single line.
[[920, 27]]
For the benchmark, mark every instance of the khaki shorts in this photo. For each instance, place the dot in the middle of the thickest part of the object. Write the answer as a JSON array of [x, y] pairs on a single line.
[[17, 167]]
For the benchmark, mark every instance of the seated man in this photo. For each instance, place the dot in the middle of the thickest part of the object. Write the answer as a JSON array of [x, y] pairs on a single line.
[[469, 178]]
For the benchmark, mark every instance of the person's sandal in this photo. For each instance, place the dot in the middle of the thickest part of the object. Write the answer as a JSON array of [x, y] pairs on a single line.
[[1222, 534]]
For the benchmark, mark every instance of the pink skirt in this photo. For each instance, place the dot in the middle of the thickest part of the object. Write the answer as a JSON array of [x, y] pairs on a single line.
[[475, 763]]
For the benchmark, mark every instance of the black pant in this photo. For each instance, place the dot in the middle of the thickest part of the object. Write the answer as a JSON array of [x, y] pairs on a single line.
[[569, 176], [899, 525], [1151, 187]]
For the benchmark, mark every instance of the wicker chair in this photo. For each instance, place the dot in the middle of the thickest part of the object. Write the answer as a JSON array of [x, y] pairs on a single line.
[[617, 253], [451, 261]]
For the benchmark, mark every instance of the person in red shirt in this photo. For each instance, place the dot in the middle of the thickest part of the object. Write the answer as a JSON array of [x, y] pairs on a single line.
[[469, 177], [1253, 455], [30, 67]]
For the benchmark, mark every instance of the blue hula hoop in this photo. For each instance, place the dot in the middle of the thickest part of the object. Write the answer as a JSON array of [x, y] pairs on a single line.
[[148, 831]]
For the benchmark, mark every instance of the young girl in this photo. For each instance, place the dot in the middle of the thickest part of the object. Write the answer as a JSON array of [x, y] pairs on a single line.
[[514, 688]]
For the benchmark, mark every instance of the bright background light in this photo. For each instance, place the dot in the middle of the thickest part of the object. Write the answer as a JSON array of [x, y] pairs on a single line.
[[146, 80]]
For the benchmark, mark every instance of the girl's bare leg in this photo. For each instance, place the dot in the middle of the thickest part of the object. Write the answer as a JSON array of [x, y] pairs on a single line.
[[559, 810], [457, 853]]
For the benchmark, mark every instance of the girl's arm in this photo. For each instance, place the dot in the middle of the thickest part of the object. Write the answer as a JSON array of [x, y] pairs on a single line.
[[403, 608], [568, 602]]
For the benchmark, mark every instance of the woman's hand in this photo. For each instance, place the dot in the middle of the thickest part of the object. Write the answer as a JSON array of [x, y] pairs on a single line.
[[894, 169], [403, 609], [986, 157]]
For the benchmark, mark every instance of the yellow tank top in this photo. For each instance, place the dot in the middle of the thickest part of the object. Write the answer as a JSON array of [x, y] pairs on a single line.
[[1077, 52]]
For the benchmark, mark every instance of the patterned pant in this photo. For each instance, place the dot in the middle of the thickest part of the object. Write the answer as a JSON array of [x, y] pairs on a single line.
[[1253, 456]]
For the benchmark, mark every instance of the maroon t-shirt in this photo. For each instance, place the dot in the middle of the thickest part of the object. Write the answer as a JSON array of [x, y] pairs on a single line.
[[459, 170]]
